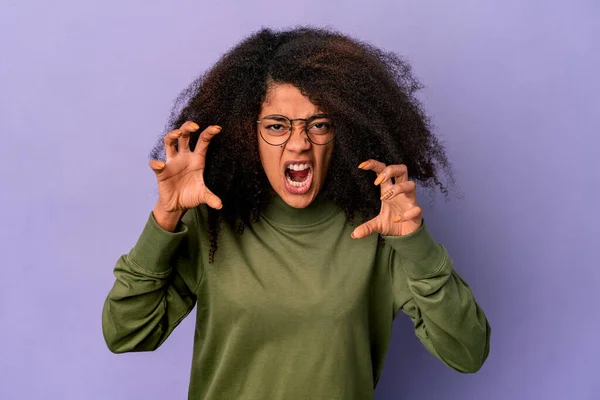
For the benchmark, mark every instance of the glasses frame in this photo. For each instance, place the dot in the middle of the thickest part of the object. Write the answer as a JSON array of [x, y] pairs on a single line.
[[289, 136]]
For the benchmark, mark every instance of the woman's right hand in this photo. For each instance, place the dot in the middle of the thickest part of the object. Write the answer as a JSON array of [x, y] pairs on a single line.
[[181, 178]]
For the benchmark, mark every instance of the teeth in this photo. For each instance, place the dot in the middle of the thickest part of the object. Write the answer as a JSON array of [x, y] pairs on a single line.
[[298, 167], [299, 184]]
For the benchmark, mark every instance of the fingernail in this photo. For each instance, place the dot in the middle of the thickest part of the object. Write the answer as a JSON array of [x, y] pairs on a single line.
[[177, 132], [352, 235], [397, 219], [194, 126], [362, 165], [218, 127], [160, 164], [379, 179]]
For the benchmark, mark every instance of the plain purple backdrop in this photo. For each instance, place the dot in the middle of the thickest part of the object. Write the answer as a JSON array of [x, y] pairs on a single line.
[[512, 87]]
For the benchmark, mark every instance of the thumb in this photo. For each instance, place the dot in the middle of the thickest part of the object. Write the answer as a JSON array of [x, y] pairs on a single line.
[[212, 200], [157, 166], [365, 229]]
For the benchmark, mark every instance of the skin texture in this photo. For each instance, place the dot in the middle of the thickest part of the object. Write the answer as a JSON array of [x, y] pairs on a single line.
[[400, 213], [180, 178], [367, 92], [285, 99]]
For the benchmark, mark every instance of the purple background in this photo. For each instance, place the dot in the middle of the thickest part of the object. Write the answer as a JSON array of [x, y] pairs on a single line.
[[513, 87]]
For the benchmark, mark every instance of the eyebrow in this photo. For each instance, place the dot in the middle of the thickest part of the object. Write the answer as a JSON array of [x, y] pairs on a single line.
[[279, 117]]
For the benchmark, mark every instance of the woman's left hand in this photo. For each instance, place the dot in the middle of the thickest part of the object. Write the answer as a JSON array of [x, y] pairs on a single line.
[[400, 214]]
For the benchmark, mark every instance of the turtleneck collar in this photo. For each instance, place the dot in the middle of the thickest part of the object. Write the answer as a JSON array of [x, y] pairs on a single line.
[[280, 212]]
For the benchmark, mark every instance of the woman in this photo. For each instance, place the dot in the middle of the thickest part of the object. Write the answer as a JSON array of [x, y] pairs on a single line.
[[256, 224]]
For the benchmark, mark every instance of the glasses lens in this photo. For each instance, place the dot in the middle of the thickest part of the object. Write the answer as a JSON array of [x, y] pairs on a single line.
[[320, 130], [275, 130]]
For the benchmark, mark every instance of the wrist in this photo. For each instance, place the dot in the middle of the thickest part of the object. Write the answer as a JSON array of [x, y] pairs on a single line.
[[167, 220]]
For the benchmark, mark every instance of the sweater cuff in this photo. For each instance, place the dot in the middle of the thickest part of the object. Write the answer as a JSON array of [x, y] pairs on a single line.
[[421, 256], [156, 246]]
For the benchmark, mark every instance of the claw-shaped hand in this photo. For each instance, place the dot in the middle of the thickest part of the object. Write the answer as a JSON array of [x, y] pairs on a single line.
[[400, 213], [181, 178]]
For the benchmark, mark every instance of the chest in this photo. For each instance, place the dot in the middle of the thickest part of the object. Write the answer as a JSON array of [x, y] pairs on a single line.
[[276, 276]]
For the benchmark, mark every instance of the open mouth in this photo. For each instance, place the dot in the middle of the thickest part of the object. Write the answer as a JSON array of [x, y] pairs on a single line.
[[298, 177]]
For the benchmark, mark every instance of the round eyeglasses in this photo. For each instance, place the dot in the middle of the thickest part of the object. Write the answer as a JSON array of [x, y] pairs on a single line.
[[276, 130]]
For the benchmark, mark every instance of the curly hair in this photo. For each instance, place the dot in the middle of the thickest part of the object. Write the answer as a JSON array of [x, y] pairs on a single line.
[[369, 94]]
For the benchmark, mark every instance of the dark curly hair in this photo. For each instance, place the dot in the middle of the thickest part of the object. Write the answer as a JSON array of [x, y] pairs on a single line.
[[369, 94]]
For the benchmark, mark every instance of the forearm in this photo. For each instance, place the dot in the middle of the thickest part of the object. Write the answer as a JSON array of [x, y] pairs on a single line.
[[149, 296], [447, 318], [142, 309], [450, 323]]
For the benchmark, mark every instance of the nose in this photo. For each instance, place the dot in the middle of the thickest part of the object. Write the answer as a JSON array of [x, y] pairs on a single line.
[[298, 141]]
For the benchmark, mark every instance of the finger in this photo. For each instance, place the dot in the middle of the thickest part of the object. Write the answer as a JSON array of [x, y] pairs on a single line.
[[398, 171], [212, 200], [408, 188], [157, 166], [410, 214], [364, 230], [377, 167], [372, 165], [205, 138], [170, 140], [184, 140]]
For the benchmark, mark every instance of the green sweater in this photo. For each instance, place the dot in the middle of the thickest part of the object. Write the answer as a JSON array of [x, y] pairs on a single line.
[[293, 308]]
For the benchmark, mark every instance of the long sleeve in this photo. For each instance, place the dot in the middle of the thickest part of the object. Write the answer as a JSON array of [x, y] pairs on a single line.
[[153, 290], [446, 316]]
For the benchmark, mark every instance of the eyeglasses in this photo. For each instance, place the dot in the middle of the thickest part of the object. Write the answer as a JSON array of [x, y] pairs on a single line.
[[277, 129]]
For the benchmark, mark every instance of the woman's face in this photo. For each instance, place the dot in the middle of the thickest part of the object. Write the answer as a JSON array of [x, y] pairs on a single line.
[[296, 169]]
